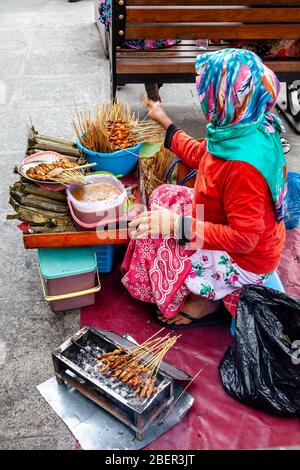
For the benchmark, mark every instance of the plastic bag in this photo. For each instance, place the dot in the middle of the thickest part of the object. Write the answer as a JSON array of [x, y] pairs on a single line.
[[261, 367], [293, 215]]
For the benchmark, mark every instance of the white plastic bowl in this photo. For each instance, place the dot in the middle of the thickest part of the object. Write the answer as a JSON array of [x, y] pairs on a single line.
[[88, 214]]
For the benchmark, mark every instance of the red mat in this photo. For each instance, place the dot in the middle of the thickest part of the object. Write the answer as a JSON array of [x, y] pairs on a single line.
[[216, 421], [289, 268]]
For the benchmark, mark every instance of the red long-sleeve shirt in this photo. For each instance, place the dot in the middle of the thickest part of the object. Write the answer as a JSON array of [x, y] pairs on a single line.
[[239, 215]]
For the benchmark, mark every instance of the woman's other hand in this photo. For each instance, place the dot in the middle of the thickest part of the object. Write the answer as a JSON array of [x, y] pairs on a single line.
[[159, 221], [157, 113]]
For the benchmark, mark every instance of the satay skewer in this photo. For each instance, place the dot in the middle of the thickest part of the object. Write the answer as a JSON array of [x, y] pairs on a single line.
[[139, 367]]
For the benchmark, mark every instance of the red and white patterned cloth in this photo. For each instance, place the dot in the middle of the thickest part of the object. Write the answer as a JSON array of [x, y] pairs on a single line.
[[156, 269], [231, 300]]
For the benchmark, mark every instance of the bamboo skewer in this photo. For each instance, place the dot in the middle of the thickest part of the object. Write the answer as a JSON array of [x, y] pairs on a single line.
[[98, 130], [67, 177], [70, 175], [153, 169], [179, 396], [138, 367]]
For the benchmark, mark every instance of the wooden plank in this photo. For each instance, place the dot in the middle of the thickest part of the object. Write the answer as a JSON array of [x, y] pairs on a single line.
[[84, 238], [172, 3], [167, 52], [157, 54], [184, 46], [203, 15], [187, 65], [178, 48], [214, 30]]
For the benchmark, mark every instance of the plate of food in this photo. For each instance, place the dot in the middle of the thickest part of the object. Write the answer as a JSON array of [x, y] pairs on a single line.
[[44, 171], [42, 157], [45, 156], [60, 172]]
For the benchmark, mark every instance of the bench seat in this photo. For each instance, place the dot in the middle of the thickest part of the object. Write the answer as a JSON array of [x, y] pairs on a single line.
[[190, 20], [177, 63]]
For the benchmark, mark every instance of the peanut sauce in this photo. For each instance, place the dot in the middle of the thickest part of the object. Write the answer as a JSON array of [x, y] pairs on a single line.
[[95, 192]]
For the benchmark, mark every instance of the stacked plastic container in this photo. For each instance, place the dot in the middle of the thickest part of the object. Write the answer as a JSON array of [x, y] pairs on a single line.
[[90, 215], [105, 257], [69, 277]]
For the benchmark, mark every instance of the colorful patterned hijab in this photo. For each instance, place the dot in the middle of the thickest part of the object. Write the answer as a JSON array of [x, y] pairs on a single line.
[[237, 92]]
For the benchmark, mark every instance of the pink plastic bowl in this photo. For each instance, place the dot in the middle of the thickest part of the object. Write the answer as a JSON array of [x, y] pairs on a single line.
[[90, 215]]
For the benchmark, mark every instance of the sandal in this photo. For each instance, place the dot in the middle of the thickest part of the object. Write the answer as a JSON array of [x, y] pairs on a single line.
[[286, 147], [220, 317]]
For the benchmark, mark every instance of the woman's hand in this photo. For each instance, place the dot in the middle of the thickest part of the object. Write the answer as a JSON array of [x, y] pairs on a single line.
[[157, 113], [160, 221]]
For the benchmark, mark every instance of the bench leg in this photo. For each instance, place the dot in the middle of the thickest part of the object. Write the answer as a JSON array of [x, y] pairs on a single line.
[[106, 44], [290, 107], [113, 87]]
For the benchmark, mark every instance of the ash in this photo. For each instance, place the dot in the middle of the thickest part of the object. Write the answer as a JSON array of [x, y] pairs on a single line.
[[86, 361]]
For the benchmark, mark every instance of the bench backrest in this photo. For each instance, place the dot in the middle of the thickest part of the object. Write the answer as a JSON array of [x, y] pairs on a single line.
[[194, 19]]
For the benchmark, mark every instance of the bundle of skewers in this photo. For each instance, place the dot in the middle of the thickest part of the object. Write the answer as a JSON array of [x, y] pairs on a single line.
[[154, 169], [113, 126], [139, 366]]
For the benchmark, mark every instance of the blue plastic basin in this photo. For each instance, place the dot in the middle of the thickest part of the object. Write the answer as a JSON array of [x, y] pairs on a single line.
[[119, 162]]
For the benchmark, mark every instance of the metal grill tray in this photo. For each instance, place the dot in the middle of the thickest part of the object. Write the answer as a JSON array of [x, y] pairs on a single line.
[[136, 414]]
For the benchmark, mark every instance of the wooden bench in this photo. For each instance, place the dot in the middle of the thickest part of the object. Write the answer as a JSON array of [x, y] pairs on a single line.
[[190, 20]]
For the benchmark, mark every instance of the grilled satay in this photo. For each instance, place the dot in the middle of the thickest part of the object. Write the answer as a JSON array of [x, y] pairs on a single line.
[[113, 373], [102, 369], [144, 389], [128, 376], [135, 381], [130, 382], [122, 375], [136, 391], [108, 364], [108, 360], [121, 361], [125, 368], [131, 373], [115, 365], [150, 388], [116, 352]]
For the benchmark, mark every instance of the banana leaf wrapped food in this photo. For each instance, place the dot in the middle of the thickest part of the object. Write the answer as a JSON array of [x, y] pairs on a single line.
[[39, 202], [39, 216], [40, 207], [27, 188], [41, 142]]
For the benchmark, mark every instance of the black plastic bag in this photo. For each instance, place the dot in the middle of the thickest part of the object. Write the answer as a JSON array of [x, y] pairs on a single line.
[[261, 367]]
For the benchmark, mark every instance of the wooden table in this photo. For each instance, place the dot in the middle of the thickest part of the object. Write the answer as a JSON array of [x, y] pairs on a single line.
[[119, 236], [80, 238]]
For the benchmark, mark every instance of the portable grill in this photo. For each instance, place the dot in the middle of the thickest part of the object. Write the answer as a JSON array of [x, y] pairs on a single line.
[[75, 362]]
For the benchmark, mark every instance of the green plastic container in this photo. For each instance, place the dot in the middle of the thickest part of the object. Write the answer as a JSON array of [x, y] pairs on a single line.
[[68, 276]]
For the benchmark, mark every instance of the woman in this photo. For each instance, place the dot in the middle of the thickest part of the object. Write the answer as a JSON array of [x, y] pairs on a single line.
[[196, 246], [152, 89]]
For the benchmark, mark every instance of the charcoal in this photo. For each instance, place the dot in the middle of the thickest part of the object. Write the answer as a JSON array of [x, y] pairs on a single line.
[[87, 360]]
